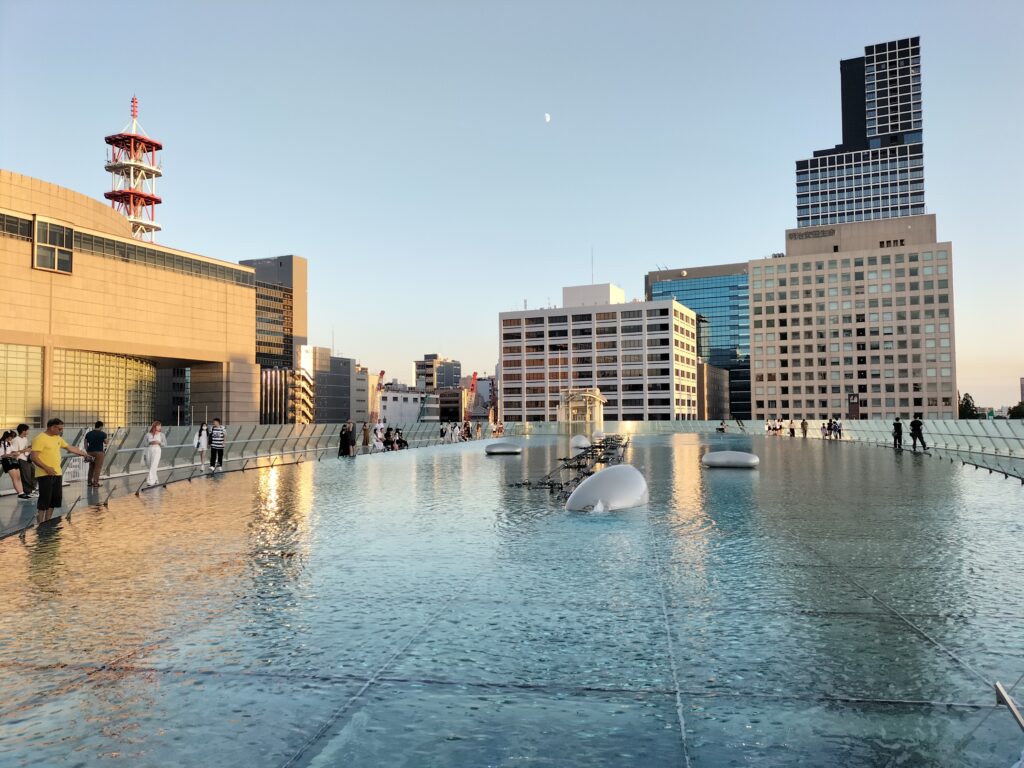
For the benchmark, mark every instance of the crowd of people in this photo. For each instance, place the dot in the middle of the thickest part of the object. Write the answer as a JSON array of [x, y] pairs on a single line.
[[830, 430], [381, 437]]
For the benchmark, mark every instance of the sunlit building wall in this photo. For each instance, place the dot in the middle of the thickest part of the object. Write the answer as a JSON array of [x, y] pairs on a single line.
[[95, 310]]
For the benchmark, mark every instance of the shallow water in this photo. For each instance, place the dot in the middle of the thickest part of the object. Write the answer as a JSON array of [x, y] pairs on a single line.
[[840, 605]]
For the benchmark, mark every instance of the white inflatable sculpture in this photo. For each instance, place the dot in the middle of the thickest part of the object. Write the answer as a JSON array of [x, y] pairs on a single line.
[[579, 441], [598, 436], [503, 449], [620, 486], [730, 459]]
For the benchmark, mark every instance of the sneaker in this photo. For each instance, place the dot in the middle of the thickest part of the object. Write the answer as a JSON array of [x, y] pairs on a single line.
[[24, 495]]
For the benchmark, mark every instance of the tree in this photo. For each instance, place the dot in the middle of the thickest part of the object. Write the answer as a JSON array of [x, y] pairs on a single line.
[[967, 408], [1017, 411]]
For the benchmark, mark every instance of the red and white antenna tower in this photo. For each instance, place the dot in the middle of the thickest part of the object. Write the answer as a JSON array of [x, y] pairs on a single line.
[[134, 169]]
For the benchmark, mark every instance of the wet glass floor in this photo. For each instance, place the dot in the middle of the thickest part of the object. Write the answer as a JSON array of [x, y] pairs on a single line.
[[842, 605]]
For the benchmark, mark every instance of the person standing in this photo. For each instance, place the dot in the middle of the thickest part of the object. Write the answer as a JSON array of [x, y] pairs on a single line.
[[366, 437], [792, 428], [9, 462], [25, 466], [155, 442], [46, 448], [343, 441], [916, 433], [96, 446], [217, 441], [803, 427], [897, 434], [352, 440]]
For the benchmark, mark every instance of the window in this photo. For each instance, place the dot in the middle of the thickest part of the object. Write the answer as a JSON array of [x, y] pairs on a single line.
[[53, 247]]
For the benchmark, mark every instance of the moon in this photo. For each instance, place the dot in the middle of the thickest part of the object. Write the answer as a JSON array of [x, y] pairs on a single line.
[[547, 118]]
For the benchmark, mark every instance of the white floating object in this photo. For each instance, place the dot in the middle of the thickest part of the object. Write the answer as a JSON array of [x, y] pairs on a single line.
[[503, 449], [620, 486], [579, 441], [732, 459], [598, 436]]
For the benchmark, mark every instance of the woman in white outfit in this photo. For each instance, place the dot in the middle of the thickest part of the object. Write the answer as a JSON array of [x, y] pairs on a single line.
[[202, 444], [155, 442]]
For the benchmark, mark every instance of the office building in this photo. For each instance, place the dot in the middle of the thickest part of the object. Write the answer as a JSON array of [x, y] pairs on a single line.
[[286, 396], [877, 172], [641, 355], [720, 295], [434, 372], [712, 392], [91, 314], [855, 321], [400, 405], [339, 387], [281, 309]]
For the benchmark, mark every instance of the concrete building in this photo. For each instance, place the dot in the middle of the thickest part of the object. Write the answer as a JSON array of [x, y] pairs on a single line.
[[720, 295], [339, 387], [434, 372], [877, 172], [92, 314], [286, 396], [641, 355], [400, 405], [282, 309], [855, 321]]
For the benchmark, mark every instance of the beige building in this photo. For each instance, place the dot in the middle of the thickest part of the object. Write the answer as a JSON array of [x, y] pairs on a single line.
[[91, 313], [641, 355], [855, 321]]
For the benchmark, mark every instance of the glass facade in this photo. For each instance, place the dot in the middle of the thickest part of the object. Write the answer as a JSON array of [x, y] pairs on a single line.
[[21, 385], [90, 386], [878, 170], [274, 325], [724, 302]]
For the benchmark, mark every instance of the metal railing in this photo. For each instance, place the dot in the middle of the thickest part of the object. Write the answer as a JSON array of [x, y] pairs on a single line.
[[245, 443]]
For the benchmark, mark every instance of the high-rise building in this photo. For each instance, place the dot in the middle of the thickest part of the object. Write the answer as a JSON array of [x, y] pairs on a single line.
[[641, 355], [720, 295], [877, 172], [281, 309], [434, 372], [855, 321]]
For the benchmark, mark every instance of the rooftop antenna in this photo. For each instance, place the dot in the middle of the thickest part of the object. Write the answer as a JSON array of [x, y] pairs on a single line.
[[134, 168]]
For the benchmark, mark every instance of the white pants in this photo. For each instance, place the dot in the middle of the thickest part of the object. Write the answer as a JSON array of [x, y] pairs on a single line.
[[153, 459]]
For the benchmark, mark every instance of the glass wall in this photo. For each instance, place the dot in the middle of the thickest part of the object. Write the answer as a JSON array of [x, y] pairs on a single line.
[[90, 386], [21, 385], [724, 302]]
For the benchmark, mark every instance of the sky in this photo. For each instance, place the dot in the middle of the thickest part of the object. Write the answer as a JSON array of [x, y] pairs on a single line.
[[402, 146]]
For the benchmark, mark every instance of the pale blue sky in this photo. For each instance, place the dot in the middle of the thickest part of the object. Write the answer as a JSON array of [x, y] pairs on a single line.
[[402, 148]]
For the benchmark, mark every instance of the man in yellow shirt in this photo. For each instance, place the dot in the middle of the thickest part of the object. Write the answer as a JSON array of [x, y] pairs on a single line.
[[45, 454]]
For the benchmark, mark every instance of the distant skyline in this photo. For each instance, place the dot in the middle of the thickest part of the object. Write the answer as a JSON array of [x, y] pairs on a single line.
[[440, 163]]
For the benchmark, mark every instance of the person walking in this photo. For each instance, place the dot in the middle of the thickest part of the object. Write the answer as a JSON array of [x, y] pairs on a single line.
[[96, 446], [217, 441], [803, 427], [9, 462], [46, 448], [201, 442], [897, 434], [155, 442], [25, 466], [792, 428], [351, 447], [916, 433]]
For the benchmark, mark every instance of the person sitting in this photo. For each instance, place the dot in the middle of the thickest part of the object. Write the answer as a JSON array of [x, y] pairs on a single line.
[[400, 442]]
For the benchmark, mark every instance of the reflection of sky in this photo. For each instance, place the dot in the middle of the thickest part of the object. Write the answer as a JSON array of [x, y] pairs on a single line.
[[237, 593]]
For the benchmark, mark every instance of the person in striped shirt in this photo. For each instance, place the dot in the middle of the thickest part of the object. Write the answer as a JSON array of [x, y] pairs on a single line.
[[217, 434]]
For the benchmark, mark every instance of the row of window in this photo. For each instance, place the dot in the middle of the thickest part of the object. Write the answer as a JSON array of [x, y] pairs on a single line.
[[588, 317]]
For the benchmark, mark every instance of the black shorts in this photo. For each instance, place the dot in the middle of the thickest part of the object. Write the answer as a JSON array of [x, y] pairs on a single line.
[[9, 465], [51, 491]]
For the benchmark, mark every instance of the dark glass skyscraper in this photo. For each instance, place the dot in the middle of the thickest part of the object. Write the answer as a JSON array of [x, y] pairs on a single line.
[[721, 296], [878, 170]]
